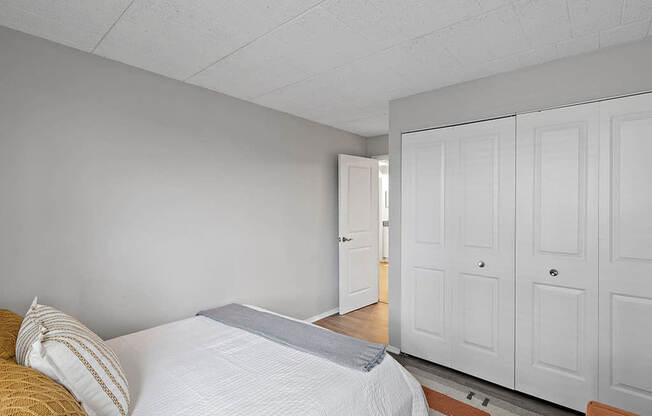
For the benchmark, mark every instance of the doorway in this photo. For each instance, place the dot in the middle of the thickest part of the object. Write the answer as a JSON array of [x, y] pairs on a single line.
[[383, 228], [363, 249]]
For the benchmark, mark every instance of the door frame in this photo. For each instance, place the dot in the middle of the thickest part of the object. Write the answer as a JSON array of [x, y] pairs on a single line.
[[384, 157]]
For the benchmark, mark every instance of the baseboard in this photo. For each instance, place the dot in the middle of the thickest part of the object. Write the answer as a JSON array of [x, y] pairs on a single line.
[[393, 350], [322, 315]]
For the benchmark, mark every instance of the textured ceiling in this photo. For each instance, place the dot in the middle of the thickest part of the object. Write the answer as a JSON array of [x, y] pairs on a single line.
[[337, 62]]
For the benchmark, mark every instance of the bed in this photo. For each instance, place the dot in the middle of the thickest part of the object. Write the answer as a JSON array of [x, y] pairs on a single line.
[[200, 367]]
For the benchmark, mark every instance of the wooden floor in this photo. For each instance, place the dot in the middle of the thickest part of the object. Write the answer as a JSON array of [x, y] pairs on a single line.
[[369, 323]]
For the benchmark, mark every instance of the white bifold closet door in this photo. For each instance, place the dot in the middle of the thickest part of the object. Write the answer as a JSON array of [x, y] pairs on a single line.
[[626, 253], [557, 254], [458, 248], [427, 276]]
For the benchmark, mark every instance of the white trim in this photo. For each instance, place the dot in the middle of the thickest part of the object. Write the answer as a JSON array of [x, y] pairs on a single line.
[[518, 113], [393, 350], [322, 315]]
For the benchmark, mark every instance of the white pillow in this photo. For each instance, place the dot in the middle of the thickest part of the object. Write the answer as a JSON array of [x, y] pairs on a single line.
[[63, 349]]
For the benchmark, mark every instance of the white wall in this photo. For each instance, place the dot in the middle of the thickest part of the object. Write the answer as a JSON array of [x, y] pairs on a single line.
[[606, 73], [129, 199], [377, 145]]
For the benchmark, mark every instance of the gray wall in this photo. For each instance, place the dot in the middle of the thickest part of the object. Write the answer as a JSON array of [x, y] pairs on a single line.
[[377, 145], [129, 199], [606, 73]]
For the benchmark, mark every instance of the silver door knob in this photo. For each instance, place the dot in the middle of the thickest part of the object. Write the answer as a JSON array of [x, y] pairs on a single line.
[[481, 264], [554, 272]]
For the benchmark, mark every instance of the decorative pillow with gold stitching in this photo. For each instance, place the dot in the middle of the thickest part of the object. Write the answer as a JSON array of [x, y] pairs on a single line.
[[26, 392], [63, 349], [9, 326]]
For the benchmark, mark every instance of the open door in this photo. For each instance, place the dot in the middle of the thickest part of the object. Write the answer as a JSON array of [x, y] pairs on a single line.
[[358, 227]]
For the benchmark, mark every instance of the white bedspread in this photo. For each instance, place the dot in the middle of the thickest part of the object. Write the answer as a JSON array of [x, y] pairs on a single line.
[[200, 367]]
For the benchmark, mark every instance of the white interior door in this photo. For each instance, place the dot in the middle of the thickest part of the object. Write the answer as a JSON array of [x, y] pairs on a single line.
[[626, 253], [557, 254], [358, 232], [427, 255], [484, 244]]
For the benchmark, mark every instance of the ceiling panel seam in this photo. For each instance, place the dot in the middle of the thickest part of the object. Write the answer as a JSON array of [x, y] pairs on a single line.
[[570, 20], [622, 12], [519, 18], [291, 19], [112, 26]]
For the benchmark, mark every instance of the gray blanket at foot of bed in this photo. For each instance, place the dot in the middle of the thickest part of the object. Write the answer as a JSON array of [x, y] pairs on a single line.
[[340, 349]]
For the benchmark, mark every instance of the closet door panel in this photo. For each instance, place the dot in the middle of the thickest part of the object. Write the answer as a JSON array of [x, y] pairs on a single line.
[[427, 271], [429, 301], [557, 347], [478, 185], [556, 254], [559, 184], [626, 253], [478, 313], [484, 281]]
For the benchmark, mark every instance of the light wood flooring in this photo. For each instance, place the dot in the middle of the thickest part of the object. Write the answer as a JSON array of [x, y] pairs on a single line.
[[369, 323]]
